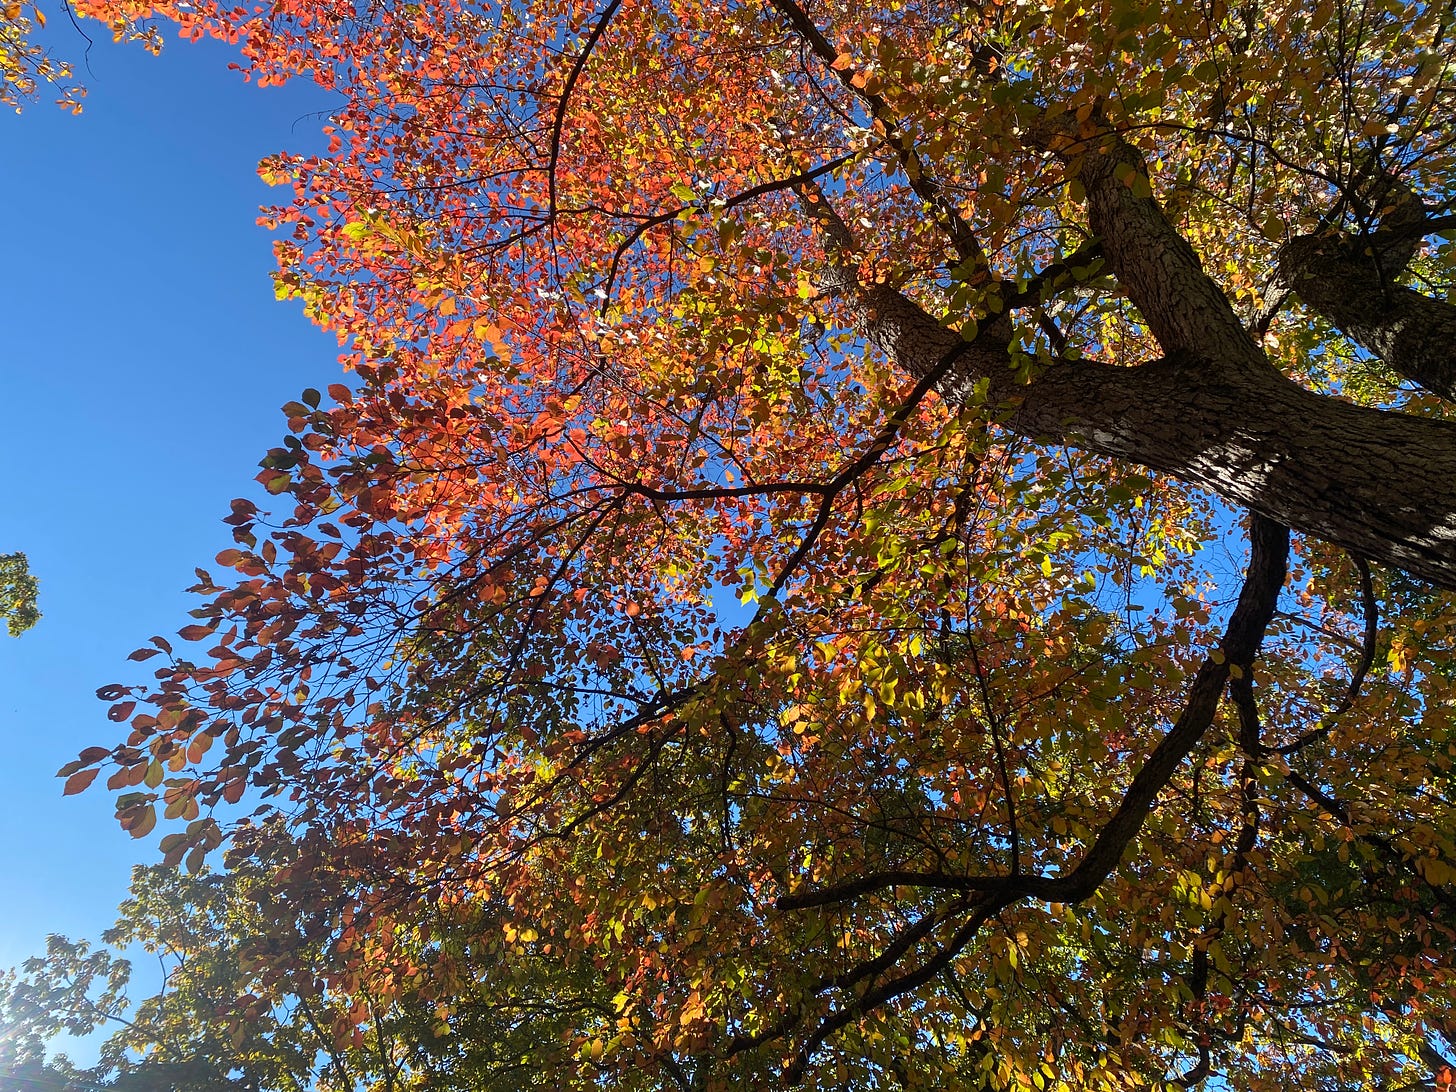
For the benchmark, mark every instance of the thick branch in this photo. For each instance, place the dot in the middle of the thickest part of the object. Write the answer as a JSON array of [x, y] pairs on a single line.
[[1345, 281], [885, 878], [1378, 483], [1268, 554], [1185, 309]]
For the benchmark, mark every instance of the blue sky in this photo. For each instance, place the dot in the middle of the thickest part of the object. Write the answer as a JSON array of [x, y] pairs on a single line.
[[143, 359]]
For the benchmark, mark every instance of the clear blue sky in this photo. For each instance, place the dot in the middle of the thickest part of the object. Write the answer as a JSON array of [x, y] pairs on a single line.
[[143, 359]]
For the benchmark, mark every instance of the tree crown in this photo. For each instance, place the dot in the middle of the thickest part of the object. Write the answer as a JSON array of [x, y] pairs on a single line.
[[952, 343]]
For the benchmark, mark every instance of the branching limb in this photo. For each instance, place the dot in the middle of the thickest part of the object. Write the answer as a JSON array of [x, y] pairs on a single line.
[[1357, 677], [1269, 551], [1341, 279], [558, 123], [922, 180]]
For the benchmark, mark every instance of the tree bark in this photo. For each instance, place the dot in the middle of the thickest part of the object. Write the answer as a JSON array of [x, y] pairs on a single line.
[[1353, 288], [1380, 484]]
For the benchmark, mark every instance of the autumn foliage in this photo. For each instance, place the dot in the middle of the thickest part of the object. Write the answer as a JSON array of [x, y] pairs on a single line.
[[27, 66], [805, 553]]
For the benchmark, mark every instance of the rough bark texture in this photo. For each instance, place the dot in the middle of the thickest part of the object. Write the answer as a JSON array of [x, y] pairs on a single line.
[[1381, 484], [1353, 288]]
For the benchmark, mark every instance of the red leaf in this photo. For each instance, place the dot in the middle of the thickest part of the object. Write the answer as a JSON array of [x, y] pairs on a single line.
[[243, 512], [79, 782]]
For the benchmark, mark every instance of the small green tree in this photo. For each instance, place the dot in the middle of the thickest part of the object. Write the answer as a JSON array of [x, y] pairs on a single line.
[[18, 591]]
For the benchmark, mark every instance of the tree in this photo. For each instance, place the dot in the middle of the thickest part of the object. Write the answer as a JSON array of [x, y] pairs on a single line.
[[222, 1017], [954, 341], [19, 591]]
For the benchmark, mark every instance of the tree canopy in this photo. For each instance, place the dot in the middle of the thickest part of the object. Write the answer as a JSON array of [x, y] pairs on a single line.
[[904, 544]]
